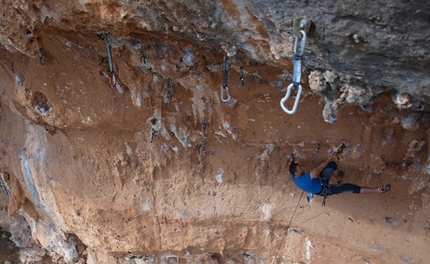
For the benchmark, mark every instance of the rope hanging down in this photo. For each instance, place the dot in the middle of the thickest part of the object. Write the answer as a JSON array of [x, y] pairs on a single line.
[[297, 70], [286, 229], [294, 213]]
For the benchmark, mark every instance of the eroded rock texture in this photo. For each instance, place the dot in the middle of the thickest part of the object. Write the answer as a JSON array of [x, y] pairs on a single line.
[[157, 169]]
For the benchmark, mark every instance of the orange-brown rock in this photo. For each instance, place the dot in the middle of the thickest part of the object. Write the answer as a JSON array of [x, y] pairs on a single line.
[[158, 169]]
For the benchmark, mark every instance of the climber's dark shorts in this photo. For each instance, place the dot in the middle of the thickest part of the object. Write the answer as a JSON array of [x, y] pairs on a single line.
[[344, 188]]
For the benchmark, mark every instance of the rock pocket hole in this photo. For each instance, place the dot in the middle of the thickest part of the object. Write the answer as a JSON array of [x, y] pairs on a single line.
[[40, 103]]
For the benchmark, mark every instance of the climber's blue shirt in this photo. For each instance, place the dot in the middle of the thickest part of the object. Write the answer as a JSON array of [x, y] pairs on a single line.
[[306, 183]]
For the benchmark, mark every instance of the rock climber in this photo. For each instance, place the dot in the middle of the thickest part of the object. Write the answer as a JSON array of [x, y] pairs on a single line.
[[317, 181]]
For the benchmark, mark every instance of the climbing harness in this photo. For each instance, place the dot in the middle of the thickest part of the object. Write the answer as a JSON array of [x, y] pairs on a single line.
[[325, 190], [42, 59], [224, 89], [297, 70], [325, 185], [111, 71], [241, 81]]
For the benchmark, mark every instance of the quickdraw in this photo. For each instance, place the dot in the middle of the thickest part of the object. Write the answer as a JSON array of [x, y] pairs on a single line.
[[42, 59], [224, 88], [204, 129], [297, 70], [170, 90], [112, 76], [241, 81]]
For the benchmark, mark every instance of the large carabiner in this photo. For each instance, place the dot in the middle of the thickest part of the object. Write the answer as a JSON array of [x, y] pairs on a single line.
[[222, 94], [302, 44], [296, 102]]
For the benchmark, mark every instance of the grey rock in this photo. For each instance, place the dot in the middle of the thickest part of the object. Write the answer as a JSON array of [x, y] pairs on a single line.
[[410, 122], [383, 45], [391, 221], [317, 81]]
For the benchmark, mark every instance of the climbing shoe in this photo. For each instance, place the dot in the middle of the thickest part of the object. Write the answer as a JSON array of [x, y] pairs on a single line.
[[310, 197], [385, 188]]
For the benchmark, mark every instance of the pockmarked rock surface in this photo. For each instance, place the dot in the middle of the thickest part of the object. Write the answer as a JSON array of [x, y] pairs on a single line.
[[153, 167]]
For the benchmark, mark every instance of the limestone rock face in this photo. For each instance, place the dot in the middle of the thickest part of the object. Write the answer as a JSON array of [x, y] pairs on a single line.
[[154, 167], [382, 44]]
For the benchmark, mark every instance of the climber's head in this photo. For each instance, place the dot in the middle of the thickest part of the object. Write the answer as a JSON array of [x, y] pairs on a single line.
[[296, 169]]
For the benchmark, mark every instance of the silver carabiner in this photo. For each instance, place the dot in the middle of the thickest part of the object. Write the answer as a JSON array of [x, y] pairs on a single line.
[[302, 44], [296, 102], [222, 94]]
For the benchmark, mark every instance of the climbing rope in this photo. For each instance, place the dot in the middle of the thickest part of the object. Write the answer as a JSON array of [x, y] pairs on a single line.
[[224, 88], [287, 228], [315, 160], [297, 70]]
